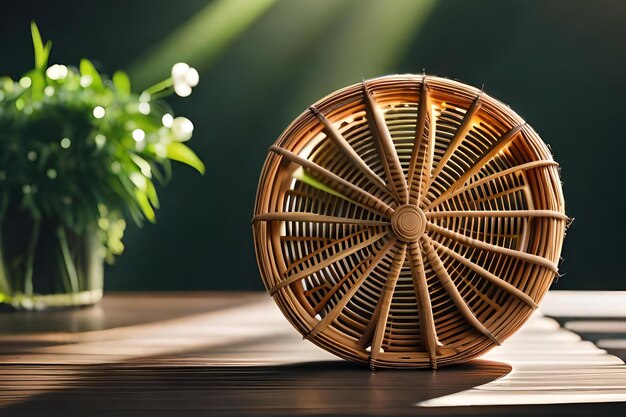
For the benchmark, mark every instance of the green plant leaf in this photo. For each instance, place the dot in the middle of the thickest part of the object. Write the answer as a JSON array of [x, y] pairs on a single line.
[[42, 52], [142, 164], [88, 69], [305, 177], [38, 83], [121, 83], [151, 192], [62, 160], [135, 213], [161, 171], [145, 205], [181, 153]]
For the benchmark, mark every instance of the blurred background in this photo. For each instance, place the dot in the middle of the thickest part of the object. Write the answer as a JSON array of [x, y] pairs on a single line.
[[560, 64]]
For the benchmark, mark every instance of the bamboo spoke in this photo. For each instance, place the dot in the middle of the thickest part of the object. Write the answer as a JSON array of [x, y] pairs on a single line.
[[493, 150], [389, 155], [499, 196], [495, 213], [494, 279], [305, 177], [315, 289], [453, 292], [368, 333], [427, 321], [423, 145], [332, 258], [343, 145], [336, 310], [458, 137], [408, 174], [316, 218], [371, 201], [465, 240], [337, 286], [448, 194], [386, 298], [332, 246]]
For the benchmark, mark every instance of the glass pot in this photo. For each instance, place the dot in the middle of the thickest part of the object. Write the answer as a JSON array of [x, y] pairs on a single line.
[[43, 265]]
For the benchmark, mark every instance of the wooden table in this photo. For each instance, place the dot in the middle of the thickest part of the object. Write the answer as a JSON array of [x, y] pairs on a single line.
[[234, 354]]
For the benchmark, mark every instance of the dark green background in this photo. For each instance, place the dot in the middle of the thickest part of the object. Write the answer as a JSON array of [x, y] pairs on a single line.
[[560, 64]]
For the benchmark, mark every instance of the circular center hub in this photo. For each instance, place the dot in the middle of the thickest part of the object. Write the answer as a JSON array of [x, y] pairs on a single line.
[[408, 222]]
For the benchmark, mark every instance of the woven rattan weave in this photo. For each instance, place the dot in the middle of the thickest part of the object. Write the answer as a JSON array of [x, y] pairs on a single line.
[[408, 221]]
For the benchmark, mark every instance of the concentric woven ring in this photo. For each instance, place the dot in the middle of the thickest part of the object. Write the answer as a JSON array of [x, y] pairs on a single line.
[[408, 221]]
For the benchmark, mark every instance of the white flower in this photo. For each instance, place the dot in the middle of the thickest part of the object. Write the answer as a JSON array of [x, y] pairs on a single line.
[[57, 72], [144, 108], [25, 82], [182, 129], [167, 120], [99, 112], [184, 78], [86, 81], [138, 135]]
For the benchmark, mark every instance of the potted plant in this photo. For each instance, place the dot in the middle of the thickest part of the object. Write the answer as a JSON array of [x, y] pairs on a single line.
[[80, 153]]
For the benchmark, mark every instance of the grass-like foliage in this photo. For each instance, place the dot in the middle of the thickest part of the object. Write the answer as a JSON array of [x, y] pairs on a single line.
[[80, 150]]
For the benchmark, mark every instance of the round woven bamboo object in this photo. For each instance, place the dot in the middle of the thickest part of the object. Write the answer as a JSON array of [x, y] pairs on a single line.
[[408, 221]]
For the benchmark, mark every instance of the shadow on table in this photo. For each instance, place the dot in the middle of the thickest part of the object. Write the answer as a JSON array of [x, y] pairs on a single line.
[[331, 387]]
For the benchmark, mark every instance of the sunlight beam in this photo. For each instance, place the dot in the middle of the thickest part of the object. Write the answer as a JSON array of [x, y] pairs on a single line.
[[200, 39]]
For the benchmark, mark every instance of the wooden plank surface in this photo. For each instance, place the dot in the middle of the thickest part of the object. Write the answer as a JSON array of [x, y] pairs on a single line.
[[234, 354]]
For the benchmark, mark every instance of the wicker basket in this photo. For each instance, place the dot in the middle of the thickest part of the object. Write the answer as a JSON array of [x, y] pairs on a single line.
[[408, 221]]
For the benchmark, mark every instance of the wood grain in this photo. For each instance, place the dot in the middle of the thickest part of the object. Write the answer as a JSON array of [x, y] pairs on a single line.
[[215, 354]]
